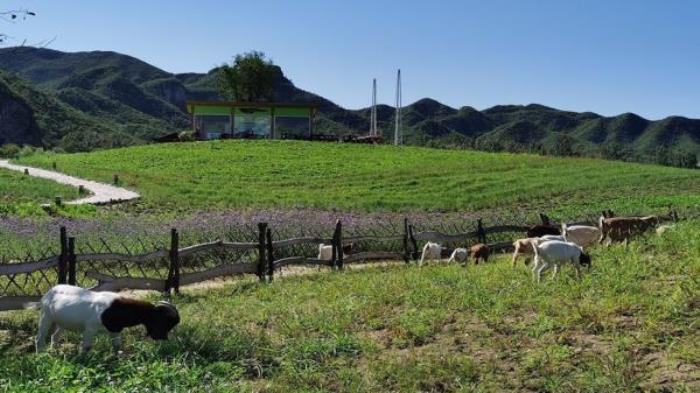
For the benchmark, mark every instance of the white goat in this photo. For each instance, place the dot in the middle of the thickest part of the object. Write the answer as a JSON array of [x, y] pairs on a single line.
[[430, 251], [459, 255], [65, 307], [583, 235], [524, 246], [556, 252], [325, 251]]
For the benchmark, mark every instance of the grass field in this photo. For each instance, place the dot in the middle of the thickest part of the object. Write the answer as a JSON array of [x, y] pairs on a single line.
[[630, 324], [286, 174], [15, 187], [20, 194]]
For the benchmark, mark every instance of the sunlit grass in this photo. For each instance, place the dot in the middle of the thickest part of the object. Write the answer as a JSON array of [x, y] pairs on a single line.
[[21, 194], [288, 174], [629, 324]]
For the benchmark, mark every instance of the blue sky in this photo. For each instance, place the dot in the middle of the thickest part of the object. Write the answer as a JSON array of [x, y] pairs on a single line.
[[608, 57]]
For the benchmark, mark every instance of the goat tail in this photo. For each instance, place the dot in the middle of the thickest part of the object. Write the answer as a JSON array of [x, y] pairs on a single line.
[[31, 305]]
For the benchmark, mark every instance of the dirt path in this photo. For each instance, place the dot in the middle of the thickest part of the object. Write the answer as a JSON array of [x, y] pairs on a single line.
[[101, 193]]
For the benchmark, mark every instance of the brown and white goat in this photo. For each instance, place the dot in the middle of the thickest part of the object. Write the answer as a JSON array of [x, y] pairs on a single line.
[[623, 228], [479, 251]]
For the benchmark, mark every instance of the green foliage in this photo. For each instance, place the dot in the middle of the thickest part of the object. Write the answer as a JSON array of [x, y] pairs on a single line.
[[630, 324], [9, 150], [290, 174], [251, 78]]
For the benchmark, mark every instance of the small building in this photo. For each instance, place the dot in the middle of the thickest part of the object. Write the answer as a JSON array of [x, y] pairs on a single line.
[[255, 120]]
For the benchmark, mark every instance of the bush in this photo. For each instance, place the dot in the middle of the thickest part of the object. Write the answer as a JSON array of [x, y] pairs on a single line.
[[9, 150], [28, 150]]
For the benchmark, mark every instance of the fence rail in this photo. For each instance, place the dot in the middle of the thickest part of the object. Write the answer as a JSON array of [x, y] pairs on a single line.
[[166, 269]]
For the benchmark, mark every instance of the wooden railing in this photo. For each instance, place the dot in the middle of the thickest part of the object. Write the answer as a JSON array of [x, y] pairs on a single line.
[[66, 263]]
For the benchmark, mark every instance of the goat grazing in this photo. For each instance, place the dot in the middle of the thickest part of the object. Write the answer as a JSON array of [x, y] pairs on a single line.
[[66, 307], [459, 255], [583, 235], [430, 251], [325, 251], [524, 246], [479, 251], [540, 230], [556, 252], [622, 228]]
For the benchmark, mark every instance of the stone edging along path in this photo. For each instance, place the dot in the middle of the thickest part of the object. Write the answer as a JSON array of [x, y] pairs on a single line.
[[101, 193]]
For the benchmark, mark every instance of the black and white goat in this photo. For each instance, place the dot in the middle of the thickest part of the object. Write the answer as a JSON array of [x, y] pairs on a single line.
[[65, 307]]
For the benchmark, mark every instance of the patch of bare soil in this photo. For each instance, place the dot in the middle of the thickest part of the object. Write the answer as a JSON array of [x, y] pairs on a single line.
[[664, 374]]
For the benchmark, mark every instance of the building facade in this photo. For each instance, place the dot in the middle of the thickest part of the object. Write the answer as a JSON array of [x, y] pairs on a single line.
[[260, 120]]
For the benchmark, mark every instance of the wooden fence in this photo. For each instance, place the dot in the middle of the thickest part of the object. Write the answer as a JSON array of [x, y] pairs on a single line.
[[167, 268]]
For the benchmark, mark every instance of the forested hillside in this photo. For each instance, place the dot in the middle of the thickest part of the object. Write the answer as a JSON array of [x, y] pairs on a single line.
[[112, 99]]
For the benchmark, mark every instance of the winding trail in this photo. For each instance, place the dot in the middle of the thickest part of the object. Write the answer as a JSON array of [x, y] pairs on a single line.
[[101, 193]]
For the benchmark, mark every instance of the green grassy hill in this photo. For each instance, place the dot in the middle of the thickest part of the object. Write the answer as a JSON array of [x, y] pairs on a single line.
[[288, 174], [630, 324]]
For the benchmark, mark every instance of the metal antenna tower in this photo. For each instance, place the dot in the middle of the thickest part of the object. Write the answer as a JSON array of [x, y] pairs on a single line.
[[398, 136], [373, 116]]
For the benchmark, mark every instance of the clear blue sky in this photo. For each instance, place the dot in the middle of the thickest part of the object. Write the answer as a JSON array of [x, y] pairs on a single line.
[[603, 56]]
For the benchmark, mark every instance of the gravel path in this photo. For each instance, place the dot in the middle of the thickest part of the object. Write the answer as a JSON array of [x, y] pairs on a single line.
[[101, 193]]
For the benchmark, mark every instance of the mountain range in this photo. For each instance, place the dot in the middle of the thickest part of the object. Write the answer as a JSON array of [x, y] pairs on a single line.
[[85, 100]]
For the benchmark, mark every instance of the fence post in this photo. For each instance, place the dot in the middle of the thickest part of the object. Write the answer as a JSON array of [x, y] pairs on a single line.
[[334, 248], [406, 252], [413, 242], [270, 256], [63, 258], [262, 228], [480, 231], [339, 244], [71, 261], [173, 280]]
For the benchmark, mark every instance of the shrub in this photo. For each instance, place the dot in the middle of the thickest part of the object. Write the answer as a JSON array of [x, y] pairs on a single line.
[[9, 150]]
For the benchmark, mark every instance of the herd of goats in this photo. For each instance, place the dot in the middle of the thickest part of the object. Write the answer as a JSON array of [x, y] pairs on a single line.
[[66, 307], [552, 246]]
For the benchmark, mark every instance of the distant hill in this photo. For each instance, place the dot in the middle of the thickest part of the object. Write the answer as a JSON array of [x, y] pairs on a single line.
[[119, 96]]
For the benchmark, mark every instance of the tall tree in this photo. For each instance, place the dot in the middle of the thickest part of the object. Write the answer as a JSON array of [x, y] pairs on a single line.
[[251, 78]]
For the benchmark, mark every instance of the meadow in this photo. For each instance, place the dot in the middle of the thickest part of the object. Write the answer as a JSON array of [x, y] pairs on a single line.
[[20, 193], [207, 176], [630, 324]]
